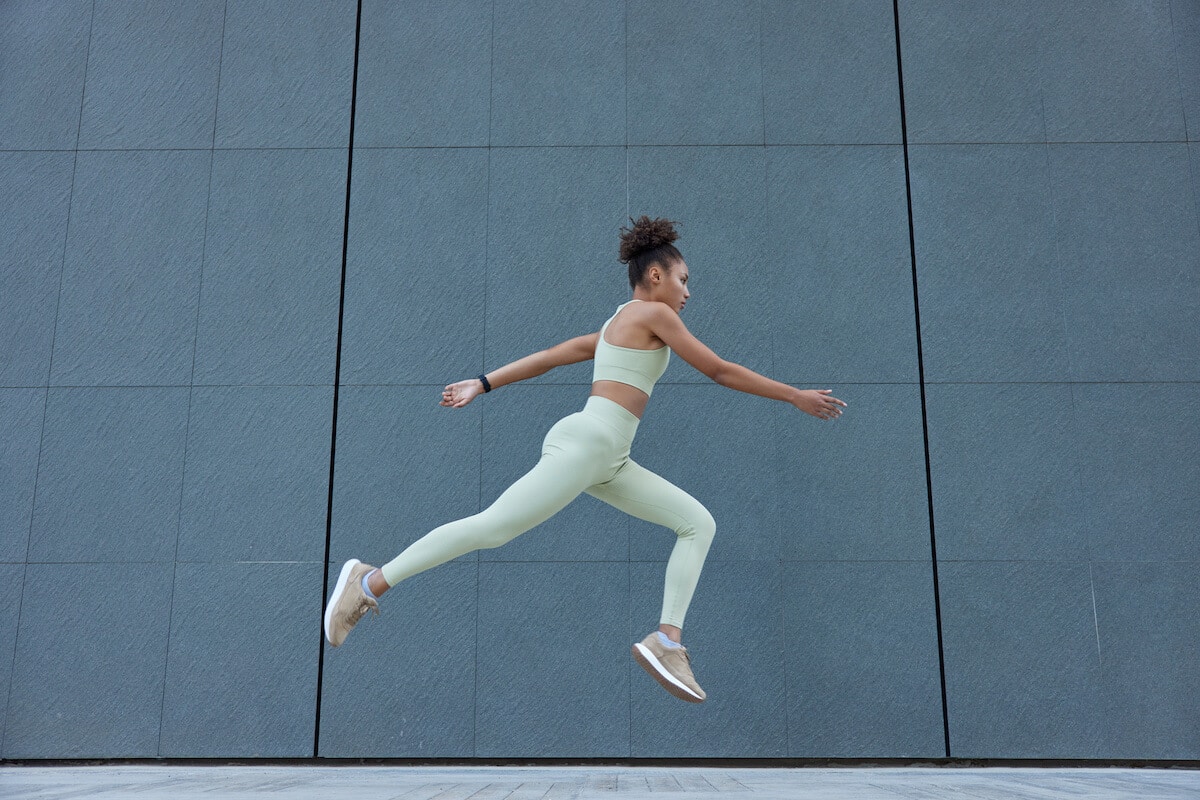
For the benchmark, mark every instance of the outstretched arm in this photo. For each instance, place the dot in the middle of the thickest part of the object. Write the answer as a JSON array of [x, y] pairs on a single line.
[[572, 351], [667, 326]]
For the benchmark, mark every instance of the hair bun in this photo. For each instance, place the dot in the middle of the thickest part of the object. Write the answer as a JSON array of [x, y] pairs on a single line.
[[645, 234]]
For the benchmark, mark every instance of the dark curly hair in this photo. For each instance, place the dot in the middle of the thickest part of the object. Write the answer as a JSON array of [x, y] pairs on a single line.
[[647, 242]]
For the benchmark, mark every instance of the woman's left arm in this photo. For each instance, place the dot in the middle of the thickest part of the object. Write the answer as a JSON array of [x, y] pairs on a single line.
[[668, 327], [572, 351]]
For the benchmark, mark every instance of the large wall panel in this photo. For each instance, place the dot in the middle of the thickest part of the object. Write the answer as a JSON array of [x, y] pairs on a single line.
[[415, 279], [152, 74], [35, 198], [87, 680], [43, 53], [131, 275]]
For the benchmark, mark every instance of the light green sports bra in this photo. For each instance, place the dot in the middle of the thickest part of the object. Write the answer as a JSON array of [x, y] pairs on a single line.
[[629, 365]]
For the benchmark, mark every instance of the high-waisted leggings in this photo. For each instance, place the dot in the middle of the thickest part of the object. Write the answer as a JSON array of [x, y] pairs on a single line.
[[585, 452]]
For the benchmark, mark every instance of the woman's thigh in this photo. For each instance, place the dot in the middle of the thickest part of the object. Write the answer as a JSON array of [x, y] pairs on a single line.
[[646, 495]]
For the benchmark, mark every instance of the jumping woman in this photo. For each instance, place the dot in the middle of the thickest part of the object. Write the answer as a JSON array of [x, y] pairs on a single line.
[[589, 452]]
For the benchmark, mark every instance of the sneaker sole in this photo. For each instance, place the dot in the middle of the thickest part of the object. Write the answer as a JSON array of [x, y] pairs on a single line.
[[338, 589], [648, 662]]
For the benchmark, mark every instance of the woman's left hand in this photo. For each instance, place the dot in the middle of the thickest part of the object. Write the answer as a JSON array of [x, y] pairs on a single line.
[[457, 395], [819, 402]]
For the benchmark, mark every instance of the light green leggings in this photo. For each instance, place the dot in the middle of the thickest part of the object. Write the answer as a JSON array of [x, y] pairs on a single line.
[[585, 452]]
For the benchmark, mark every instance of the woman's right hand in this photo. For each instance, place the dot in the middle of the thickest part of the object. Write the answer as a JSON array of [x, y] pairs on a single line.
[[457, 395], [818, 402]]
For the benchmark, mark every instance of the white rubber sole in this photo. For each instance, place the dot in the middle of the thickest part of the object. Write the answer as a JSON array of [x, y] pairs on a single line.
[[652, 665], [338, 590]]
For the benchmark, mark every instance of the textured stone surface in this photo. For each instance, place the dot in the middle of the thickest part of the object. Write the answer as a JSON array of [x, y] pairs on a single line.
[[1019, 501], [540, 689], [860, 643], [218, 703], [12, 584], [1149, 640], [1025, 72], [423, 74], [694, 73], [1022, 668], [837, 261], [403, 683], [736, 644], [989, 272], [272, 268], [1126, 226], [1194, 153], [718, 195], [829, 73], [415, 280], [1110, 76], [853, 489], [1185, 24], [256, 486], [35, 194], [552, 274], [972, 71], [21, 413], [1138, 469], [109, 475], [152, 74], [558, 73], [405, 465], [91, 653], [43, 50], [286, 70], [131, 276]]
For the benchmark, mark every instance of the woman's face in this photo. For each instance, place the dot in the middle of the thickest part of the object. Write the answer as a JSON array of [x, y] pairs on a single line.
[[671, 285]]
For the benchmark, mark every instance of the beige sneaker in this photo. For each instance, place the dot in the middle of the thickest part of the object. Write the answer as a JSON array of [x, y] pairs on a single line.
[[670, 666], [348, 603]]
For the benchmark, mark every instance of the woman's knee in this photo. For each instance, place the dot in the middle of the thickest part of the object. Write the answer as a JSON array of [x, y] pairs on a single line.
[[698, 524], [489, 531]]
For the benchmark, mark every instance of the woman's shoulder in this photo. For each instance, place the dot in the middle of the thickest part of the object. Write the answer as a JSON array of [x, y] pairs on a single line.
[[648, 307]]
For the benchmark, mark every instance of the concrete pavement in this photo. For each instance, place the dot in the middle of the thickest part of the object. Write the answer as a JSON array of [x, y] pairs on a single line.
[[173, 782]]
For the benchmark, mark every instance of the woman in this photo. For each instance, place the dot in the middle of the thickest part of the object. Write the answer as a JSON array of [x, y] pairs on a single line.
[[589, 452]]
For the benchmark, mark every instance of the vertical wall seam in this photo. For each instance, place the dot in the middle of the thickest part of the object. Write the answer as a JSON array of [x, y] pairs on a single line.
[[187, 424], [628, 543], [62, 269], [487, 236], [46, 397], [1178, 72], [912, 246], [337, 380], [1095, 615], [762, 74]]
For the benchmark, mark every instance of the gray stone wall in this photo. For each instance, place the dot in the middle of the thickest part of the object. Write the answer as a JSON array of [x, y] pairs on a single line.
[[992, 555]]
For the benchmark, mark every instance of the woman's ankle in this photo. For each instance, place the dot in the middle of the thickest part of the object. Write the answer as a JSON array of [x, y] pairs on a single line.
[[376, 583], [671, 632]]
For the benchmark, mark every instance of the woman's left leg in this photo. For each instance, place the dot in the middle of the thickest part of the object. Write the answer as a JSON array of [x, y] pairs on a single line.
[[638, 491], [646, 495]]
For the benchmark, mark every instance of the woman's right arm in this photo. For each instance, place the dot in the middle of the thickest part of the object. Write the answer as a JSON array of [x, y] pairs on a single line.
[[667, 325], [572, 351]]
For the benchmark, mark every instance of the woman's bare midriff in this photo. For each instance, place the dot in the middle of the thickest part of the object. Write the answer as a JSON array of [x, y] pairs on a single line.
[[630, 398]]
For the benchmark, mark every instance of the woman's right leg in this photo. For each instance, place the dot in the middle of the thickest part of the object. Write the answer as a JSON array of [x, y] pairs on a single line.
[[576, 453], [566, 468]]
